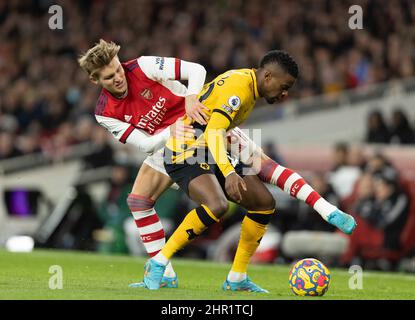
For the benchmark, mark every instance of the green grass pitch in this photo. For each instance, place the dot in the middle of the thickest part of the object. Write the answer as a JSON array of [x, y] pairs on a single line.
[[94, 276]]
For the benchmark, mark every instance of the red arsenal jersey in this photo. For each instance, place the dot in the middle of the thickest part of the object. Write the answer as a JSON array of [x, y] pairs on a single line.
[[154, 100]]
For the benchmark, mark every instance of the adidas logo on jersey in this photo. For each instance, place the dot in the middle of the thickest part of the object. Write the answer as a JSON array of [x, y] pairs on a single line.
[[127, 118]]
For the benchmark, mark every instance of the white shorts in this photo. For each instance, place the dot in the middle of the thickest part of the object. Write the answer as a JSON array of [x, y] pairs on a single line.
[[156, 162]]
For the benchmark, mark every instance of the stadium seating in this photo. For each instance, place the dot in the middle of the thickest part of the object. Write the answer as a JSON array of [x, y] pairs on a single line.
[[407, 237], [318, 158]]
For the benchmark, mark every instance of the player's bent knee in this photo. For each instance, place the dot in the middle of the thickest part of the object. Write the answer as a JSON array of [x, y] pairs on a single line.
[[138, 203], [270, 203], [267, 202], [219, 207]]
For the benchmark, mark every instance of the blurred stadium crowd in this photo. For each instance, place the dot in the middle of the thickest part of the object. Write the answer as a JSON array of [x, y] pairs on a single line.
[[47, 102]]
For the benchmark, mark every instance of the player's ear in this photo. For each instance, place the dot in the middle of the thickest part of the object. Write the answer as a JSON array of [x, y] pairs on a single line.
[[94, 80], [267, 75]]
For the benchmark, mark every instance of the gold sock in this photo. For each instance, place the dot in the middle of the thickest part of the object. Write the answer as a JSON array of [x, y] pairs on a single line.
[[195, 222], [253, 229]]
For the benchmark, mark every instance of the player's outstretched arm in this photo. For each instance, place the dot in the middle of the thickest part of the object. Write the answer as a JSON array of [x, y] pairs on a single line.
[[196, 76], [127, 133], [195, 109], [162, 69]]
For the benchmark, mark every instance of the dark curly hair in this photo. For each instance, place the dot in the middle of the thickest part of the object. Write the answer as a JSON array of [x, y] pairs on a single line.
[[283, 59]]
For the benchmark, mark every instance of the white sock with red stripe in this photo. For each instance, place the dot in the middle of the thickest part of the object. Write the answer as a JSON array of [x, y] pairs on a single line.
[[293, 184], [149, 226]]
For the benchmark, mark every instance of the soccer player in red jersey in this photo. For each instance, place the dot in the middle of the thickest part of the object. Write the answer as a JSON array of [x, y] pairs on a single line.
[[141, 103]]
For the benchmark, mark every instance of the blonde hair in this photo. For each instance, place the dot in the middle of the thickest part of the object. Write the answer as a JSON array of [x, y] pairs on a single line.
[[98, 56]]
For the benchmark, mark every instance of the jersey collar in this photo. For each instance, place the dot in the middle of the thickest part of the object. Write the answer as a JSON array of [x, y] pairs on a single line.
[[254, 84]]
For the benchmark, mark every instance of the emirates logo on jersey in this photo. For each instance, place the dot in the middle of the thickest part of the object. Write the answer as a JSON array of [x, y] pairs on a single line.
[[147, 94], [127, 118], [154, 117]]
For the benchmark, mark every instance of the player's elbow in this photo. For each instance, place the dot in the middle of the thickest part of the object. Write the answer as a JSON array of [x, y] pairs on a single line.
[[200, 69], [203, 70]]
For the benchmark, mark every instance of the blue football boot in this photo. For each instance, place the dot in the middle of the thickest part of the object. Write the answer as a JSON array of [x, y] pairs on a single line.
[[343, 221], [244, 285], [166, 282], [170, 282], [153, 274]]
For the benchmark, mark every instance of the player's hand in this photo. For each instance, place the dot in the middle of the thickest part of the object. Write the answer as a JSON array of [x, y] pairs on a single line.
[[233, 186], [231, 142], [181, 131], [195, 109]]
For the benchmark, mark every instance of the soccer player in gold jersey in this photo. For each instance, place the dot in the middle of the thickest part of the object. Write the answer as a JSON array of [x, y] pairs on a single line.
[[201, 167]]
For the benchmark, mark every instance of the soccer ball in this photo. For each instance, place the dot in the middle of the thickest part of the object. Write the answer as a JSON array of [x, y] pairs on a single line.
[[309, 277]]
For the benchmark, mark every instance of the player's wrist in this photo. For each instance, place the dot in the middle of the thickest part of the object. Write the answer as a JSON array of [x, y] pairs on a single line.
[[190, 95], [229, 173]]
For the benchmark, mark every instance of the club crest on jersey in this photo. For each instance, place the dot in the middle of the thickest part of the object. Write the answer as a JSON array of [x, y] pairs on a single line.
[[234, 102], [127, 118], [147, 94], [204, 166]]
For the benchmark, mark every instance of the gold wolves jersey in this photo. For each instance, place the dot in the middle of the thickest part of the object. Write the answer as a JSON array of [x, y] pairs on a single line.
[[230, 98]]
